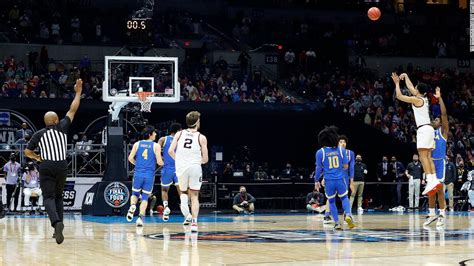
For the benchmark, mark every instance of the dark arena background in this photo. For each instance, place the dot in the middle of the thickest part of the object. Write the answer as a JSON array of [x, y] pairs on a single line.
[[266, 77]]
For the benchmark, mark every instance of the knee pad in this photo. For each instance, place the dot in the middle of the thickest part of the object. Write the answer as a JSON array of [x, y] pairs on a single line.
[[136, 194], [145, 197], [332, 200], [184, 199]]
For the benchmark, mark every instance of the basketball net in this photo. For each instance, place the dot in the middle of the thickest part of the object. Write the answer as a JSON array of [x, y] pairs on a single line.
[[144, 101]]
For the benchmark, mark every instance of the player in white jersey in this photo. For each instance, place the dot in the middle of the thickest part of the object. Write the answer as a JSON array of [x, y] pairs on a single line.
[[191, 153], [425, 131]]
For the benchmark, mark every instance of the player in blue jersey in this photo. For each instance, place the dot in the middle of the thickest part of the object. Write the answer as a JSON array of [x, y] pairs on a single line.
[[342, 142], [441, 126], [147, 153], [332, 164], [168, 172]]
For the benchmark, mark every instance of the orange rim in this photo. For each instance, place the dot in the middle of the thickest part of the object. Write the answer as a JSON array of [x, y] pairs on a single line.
[[144, 94]]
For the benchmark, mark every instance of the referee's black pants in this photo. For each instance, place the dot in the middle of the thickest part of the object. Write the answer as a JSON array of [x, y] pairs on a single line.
[[52, 181]]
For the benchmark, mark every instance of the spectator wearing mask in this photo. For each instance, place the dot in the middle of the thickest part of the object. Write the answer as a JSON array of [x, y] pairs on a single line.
[[449, 180], [288, 172], [461, 173], [397, 171], [260, 174], [244, 202], [315, 201], [12, 170], [360, 170], [31, 185], [414, 173]]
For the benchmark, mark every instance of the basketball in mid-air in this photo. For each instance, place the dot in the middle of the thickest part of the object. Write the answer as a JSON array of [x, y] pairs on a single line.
[[374, 13]]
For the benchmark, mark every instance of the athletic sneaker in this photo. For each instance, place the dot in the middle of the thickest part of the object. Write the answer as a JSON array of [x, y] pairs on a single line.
[[360, 210], [430, 219], [139, 221], [337, 227], [432, 186], [194, 227], [349, 221], [188, 219], [166, 214], [58, 232], [131, 212], [440, 221], [327, 220]]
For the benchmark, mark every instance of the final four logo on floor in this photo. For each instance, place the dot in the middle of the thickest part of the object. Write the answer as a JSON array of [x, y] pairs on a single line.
[[116, 194]]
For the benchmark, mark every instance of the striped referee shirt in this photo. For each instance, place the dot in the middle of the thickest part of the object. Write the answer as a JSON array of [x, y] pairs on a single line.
[[52, 141]]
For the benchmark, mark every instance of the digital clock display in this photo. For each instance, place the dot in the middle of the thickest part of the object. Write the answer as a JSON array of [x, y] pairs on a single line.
[[137, 24]]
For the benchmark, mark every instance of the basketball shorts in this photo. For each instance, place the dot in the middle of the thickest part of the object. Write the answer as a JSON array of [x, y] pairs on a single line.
[[425, 137], [335, 187], [168, 177], [143, 182], [189, 177], [440, 167]]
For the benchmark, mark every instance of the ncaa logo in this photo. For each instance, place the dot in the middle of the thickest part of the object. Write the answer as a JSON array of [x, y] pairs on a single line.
[[116, 194]]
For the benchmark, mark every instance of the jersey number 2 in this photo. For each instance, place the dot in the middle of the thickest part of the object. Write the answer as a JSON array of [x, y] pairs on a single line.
[[333, 162], [145, 154], [187, 143]]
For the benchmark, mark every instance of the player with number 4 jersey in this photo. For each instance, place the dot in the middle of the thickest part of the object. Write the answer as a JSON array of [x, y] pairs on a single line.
[[145, 155]]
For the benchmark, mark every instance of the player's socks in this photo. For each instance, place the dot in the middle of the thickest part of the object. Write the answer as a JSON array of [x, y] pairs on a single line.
[[184, 204], [165, 203], [130, 212], [346, 205], [442, 212], [333, 208], [140, 221], [166, 214], [194, 225]]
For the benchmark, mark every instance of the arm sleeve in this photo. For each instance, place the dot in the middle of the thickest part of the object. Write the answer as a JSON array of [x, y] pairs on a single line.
[[236, 200], [351, 165], [251, 198], [34, 141], [319, 165], [64, 124]]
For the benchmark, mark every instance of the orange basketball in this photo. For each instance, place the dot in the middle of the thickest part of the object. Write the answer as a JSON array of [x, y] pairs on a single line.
[[374, 13]]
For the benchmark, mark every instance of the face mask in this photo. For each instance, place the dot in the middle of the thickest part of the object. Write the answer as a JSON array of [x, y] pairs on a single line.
[[384, 161], [358, 160], [415, 161], [393, 161]]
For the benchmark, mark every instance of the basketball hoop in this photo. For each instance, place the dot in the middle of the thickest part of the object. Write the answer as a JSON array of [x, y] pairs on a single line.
[[144, 101]]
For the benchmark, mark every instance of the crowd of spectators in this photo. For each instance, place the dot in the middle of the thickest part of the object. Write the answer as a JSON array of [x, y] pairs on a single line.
[[371, 99]]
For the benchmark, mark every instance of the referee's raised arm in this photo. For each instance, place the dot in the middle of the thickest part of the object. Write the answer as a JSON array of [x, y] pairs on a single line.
[[77, 100]]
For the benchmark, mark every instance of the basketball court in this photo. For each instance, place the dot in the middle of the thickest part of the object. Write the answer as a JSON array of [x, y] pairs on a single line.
[[282, 239]]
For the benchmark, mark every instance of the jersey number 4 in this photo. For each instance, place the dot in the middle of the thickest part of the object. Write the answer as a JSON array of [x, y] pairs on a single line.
[[333, 162], [145, 154], [187, 143]]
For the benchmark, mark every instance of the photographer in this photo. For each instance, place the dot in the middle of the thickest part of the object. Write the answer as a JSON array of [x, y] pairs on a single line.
[[31, 185], [244, 202], [315, 201]]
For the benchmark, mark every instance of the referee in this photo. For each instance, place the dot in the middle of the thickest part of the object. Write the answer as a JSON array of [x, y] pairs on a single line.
[[52, 143]]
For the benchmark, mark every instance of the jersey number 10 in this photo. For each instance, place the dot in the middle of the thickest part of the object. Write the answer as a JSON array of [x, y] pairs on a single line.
[[333, 162]]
